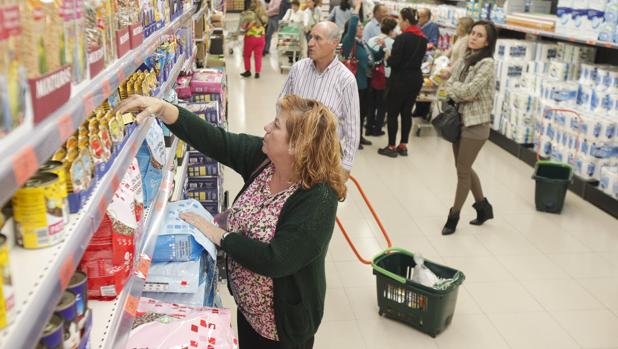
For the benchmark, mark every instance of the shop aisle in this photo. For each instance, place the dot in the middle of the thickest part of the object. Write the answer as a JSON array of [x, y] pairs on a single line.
[[533, 280]]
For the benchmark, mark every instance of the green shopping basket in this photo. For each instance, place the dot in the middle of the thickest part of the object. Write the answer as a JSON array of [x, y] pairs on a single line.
[[552, 177], [424, 308], [427, 309]]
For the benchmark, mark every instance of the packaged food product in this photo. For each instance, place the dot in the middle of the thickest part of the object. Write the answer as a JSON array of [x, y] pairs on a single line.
[[205, 327], [67, 310], [151, 157], [109, 256], [7, 293], [38, 212], [57, 168], [53, 334]]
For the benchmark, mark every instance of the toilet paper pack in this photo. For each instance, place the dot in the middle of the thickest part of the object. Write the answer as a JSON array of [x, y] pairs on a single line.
[[564, 12]]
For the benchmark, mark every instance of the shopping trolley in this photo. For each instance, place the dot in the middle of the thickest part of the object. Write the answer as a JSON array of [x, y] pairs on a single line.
[[424, 308], [289, 44]]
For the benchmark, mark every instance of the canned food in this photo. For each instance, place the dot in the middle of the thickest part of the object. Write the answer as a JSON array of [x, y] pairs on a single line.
[[53, 334], [38, 212], [7, 294], [67, 310], [79, 287], [57, 168]]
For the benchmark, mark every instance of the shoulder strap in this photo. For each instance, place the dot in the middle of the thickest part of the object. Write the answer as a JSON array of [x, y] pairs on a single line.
[[260, 168]]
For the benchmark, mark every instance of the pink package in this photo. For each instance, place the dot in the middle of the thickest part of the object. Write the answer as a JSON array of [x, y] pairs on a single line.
[[207, 81], [183, 88], [184, 327]]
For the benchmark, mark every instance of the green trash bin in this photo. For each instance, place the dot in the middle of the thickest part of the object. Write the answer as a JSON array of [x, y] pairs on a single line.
[[552, 181], [427, 309]]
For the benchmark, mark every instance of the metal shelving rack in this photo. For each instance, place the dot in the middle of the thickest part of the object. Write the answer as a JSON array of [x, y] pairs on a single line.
[[25, 154], [113, 320], [39, 287]]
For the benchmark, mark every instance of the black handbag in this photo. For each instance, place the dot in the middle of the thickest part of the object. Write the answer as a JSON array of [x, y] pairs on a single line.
[[448, 123]]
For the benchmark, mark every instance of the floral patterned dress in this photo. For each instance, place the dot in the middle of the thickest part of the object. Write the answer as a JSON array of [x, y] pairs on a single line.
[[255, 215]]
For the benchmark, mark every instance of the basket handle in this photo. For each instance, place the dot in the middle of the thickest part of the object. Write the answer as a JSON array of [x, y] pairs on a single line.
[[375, 216], [385, 272]]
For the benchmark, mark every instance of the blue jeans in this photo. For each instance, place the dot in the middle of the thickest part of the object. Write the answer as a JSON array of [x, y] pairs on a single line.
[[273, 25]]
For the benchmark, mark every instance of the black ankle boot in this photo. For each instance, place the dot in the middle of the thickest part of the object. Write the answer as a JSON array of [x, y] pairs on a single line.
[[484, 212], [451, 223]]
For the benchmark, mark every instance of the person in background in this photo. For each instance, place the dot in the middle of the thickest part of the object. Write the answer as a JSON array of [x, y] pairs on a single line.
[[405, 81], [312, 15], [294, 14], [279, 227], [432, 32], [380, 46], [459, 45], [341, 14], [429, 27], [471, 84], [372, 29], [352, 43], [273, 22], [252, 22], [323, 77]]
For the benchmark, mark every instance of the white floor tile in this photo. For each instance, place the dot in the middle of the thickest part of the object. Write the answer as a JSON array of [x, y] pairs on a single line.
[[471, 331], [533, 267], [558, 295], [605, 290], [532, 331], [585, 265], [503, 297], [364, 302], [339, 334], [337, 306], [386, 333], [590, 328], [480, 269]]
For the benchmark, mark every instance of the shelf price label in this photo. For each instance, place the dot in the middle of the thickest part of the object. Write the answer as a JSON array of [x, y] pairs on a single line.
[[107, 88], [115, 182], [65, 126], [25, 164], [66, 271], [89, 103], [131, 306], [143, 266]]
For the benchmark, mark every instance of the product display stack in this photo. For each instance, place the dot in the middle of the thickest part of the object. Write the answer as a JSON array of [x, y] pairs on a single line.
[[87, 224]]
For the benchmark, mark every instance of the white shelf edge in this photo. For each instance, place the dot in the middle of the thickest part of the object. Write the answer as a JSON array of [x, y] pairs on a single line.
[[181, 173], [84, 224], [45, 138], [45, 291], [539, 32], [119, 321]]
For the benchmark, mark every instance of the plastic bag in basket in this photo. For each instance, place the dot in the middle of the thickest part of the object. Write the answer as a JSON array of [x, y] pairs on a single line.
[[422, 274], [182, 326]]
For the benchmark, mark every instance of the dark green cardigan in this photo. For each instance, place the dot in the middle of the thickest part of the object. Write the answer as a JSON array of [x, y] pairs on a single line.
[[294, 258]]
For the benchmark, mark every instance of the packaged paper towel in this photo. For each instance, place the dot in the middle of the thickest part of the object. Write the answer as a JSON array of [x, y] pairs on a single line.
[[608, 181], [596, 14], [564, 12]]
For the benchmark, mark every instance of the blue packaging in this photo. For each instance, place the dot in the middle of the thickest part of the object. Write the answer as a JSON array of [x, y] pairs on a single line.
[[176, 248]]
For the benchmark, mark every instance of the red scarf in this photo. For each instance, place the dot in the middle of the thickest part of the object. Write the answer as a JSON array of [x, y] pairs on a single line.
[[414, 30]]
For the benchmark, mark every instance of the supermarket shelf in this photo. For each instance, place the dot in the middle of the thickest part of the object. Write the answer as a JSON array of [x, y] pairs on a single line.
[[54, 266], [39, 286], [113, 319], [200, 12], [587, 190], [557, 36], [189, 62], [22, 157], [447, 25], [181, 174]]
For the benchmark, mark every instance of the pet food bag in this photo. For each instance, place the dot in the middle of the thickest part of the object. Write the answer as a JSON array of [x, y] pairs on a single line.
[[109, 256], [151, 157]]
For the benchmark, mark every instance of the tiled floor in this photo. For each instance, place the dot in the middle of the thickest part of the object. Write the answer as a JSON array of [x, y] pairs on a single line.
[[533, 280]]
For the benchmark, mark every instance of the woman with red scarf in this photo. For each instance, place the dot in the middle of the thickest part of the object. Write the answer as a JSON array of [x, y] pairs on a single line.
[[405, 82]]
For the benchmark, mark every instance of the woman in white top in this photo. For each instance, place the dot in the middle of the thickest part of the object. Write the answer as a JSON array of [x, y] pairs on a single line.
[[460, 40], [294, 15], [312, 14], [341, 14]]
